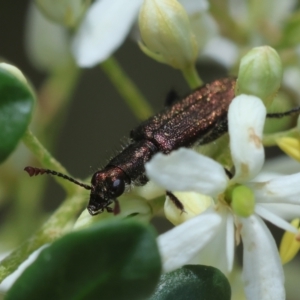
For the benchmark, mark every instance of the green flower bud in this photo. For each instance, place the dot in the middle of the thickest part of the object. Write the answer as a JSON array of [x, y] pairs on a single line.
[[260, 74], [166, 33], [242, 201], [65, 12], [280, 103]]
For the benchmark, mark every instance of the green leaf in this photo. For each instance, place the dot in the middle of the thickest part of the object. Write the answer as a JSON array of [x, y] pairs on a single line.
[[16, 106], [111, 260], [193, 282]]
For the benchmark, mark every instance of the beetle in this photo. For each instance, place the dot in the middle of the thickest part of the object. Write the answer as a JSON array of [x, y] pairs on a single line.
[[199, 118]]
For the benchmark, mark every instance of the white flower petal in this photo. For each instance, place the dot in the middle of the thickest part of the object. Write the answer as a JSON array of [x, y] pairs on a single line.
[[186, 170], [283, 189], [230, 241], [283, 210], [211, 255], [274, 219], [149, 191], [282, 164], [262, 270], [103, 29], [181, 244], [246, 117]]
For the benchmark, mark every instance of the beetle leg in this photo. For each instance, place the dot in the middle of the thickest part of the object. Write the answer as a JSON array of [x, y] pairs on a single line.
[[176, 201]]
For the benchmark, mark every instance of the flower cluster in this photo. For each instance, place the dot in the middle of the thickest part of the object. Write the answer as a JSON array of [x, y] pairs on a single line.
[[238, 205], [217, 200]]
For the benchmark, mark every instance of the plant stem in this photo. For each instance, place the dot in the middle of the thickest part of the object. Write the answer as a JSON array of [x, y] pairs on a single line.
[[127, 89], [55, 95], [192, 77]]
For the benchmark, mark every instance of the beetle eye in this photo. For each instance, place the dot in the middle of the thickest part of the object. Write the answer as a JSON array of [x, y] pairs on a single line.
[[117, 187]]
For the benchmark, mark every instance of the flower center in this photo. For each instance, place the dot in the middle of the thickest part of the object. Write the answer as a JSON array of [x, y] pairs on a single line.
[[241, 199]]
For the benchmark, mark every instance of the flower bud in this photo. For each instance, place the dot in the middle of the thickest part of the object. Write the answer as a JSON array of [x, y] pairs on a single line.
[[193, 204], [242, 201], [291, 146], [260, 74], [65, 12], [14, 71], [290, 244], [280, 103], [166, 33]]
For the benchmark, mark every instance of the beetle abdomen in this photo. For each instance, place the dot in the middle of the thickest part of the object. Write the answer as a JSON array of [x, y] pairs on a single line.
[[183, 123]]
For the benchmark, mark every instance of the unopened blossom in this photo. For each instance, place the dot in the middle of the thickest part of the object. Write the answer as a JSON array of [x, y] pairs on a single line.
[[260, 74], [208, 238], [167, 34], [66, 12], [103, 28]]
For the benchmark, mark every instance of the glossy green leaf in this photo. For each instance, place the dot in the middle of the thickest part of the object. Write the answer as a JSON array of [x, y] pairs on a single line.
[[111, 260], [16, 106], [193, 282]]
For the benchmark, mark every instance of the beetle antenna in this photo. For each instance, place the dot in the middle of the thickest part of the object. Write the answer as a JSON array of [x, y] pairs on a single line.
[[32, 171], [283, 114]]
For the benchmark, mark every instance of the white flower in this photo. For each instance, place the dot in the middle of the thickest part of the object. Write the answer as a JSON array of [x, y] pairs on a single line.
[[106, 25], [102, 31], [209, 237]]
